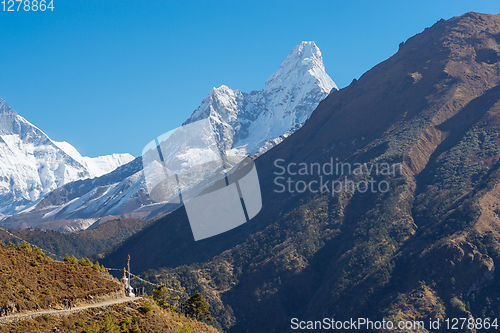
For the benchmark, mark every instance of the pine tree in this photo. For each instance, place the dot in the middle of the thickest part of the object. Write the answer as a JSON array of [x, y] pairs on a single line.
[[160, 295], [197, 308]]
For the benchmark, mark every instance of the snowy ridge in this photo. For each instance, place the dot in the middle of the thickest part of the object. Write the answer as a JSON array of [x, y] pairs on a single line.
[[96, 166], [32, 165]]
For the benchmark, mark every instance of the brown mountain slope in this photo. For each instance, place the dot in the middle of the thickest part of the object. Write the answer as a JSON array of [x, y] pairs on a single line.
[[419, 250]]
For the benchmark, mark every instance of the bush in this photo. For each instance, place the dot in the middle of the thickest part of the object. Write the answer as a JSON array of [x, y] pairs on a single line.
[[126, 321], [136, 328], [184, 329], [25, 246], [47, 292], [34, 263], [71, 259], [11, 245], [109, 326], [93, 329], [146, 307], [458, 304], [86, 262], [38, 251]]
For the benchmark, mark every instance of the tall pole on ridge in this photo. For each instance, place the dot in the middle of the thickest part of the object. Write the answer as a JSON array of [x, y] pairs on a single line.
[[128, 266]]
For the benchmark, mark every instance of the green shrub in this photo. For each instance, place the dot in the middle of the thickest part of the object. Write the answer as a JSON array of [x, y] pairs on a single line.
[[184, 329], [136, 328], [34, 263], [93, 329], [457, 304], [146, 307], [38, 251], [86, 262], [24, 246], [123, 327], [47, 292], [127, 321], [80, 323], [109, 326]]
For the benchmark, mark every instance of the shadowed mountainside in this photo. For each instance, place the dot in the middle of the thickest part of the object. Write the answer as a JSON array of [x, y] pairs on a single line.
[[426, 248]]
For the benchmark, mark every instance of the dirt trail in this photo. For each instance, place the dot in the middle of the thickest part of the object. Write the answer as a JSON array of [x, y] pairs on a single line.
[[59, 312]]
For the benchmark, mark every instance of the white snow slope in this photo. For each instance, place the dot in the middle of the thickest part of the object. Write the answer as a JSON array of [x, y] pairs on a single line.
[[32, 165]]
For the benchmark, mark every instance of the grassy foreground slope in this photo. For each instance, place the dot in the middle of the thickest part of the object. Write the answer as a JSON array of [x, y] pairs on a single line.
[[31, 282], [134, 316]]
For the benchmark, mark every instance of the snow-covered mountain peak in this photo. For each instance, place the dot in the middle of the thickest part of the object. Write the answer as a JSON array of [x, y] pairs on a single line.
[[32, 165], [303, 64], [4, 106], [247, 121]]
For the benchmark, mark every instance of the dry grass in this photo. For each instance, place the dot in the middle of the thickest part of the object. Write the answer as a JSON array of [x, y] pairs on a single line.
[[124, 315], [30, 281]]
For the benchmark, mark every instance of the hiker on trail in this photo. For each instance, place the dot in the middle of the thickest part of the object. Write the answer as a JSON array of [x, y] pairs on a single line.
[[1, 311], [6, 308], [69, 302], [65, 302]]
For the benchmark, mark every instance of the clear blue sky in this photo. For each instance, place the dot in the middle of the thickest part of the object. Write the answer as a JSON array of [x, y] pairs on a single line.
[[109, 76]]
